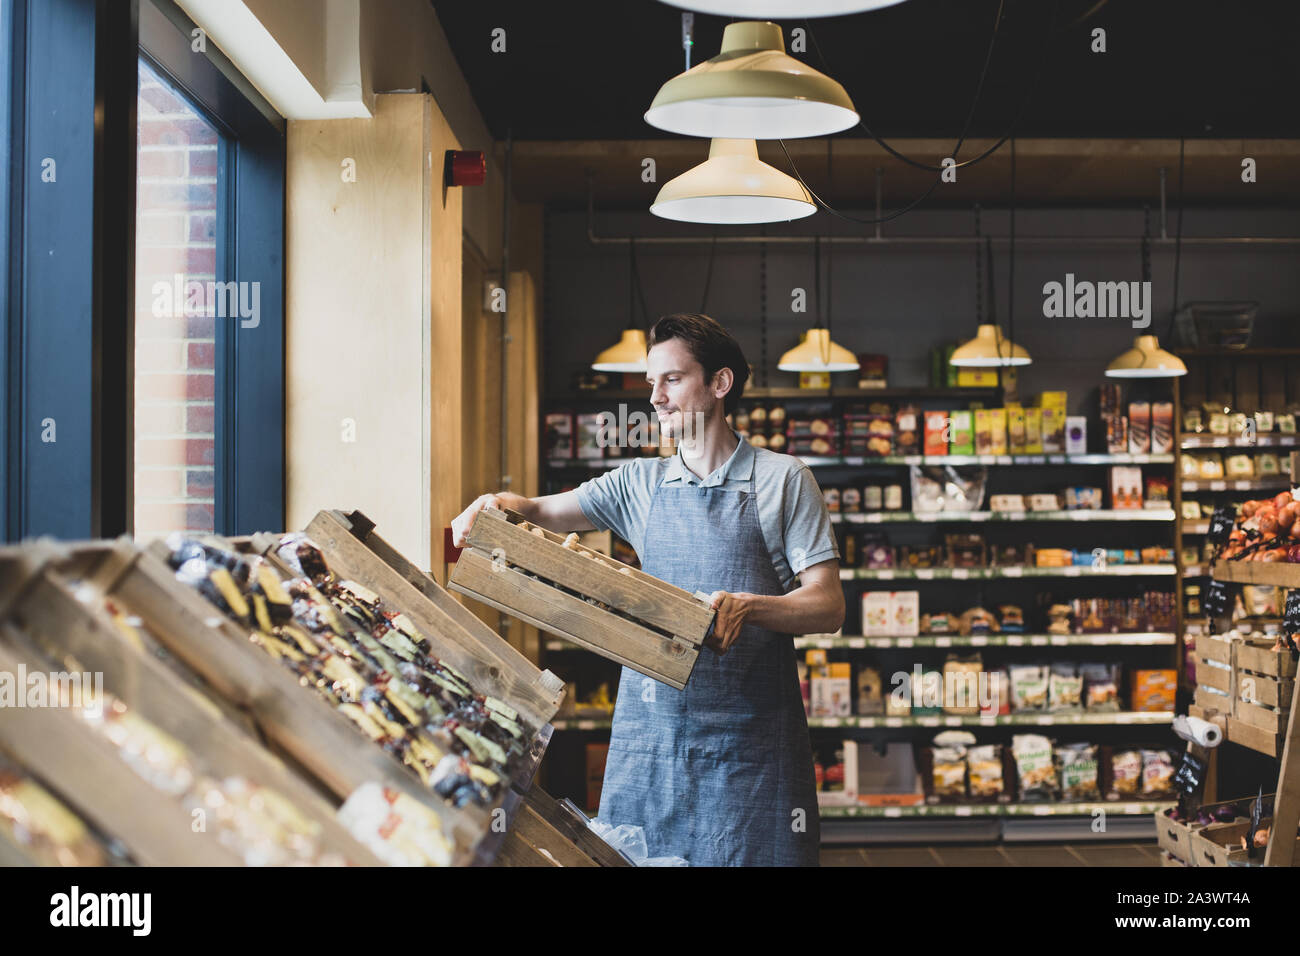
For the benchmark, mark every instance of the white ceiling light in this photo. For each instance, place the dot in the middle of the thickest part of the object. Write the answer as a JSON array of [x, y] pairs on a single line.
[[752, 90], [733, 186], [989, 349], [781, 9], [1146, 359], [817, 353]]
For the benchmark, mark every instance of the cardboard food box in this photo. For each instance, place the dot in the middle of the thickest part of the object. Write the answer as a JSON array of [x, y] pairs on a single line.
[[983, 431], [1053, 405], [876, 617], [1033, 431], [904, 613], [1016, 429], [936, 433], [1139, 427], [998, 428], [832, 695], [1154, 690], [870, 692], [1076, 435], [963, 436]]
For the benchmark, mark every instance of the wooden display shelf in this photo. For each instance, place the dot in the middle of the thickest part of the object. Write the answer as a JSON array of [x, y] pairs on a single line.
[[1277, 573], [550, 832]]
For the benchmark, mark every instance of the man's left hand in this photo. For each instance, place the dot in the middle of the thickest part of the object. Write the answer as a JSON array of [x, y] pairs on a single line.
[[732, 610]]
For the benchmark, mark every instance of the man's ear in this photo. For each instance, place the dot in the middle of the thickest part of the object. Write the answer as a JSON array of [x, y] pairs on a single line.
[[723, 380]]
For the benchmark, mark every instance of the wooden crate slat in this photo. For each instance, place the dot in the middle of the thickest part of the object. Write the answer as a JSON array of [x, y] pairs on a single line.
[[1278, 573], [685, 618], [1266, 690], [576, 830], [1265, 718], [89, 773], [53, 617], [543, 688], [489, 671], [554, 611], [532, 841], [316, 735]]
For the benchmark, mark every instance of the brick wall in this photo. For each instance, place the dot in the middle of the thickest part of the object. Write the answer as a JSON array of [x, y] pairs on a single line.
[[176, 222]]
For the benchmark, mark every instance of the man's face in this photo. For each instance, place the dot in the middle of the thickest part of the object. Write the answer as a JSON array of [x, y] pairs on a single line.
[[678, 390]]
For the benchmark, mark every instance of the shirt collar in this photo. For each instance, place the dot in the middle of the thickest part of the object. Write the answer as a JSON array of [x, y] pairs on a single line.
[[740, 467]]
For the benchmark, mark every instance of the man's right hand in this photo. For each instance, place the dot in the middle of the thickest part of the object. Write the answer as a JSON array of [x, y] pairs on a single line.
[[460, 525]]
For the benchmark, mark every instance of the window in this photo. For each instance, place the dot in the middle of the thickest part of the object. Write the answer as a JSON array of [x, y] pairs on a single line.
[[177, 210]]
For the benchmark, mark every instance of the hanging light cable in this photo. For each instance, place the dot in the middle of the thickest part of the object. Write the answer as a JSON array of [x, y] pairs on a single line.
[[629, 355], [816, 352], [1146, 359]]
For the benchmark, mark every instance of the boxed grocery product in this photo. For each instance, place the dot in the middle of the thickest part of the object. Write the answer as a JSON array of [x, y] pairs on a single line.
[[1076, 435], [1016, 429], [1154, 690], [898, 697], [1033, 431], [870, 691], [832, 694], [1044, 501], [977, 377], [559, 435], [1053, 405], [962, 442], [1125, 487], [907, 431], [1083, 498], [1139, 427], [998, 426], [1162, 427], [875, 614], [983, 431], [936, 433], [589, 428], [904, 613]]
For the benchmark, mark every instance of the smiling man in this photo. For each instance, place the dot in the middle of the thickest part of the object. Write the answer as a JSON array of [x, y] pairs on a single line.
[[720, 773]]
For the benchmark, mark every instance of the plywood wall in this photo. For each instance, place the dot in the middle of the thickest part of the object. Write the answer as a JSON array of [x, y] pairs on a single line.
[[373, 377]]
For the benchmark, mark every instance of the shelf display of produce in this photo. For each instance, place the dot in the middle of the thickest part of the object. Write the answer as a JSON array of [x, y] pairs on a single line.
[[960, 574], [945, 517], [857, 642], [1120, 808], [1277, 483], [944, 720]]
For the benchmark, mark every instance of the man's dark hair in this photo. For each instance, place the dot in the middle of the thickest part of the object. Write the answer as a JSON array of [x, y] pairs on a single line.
[[711, 345]]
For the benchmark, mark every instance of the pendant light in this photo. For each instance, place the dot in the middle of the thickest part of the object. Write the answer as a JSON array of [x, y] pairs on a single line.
[[816, 352], [990, 348], [781, 9], [629, 355], [1146, 359], [733, 186], [752, 90]]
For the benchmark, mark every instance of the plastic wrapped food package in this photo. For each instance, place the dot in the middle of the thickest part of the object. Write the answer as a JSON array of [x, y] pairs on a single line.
[[947, 488], [1076, 765], [630, 841], [47, 830], [1034, 766]]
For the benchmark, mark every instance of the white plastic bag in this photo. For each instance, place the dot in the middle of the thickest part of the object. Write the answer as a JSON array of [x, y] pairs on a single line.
[[630, 841]]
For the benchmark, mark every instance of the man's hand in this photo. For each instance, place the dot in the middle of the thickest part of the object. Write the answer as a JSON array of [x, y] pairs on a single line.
[[460, 525], [732, 610]]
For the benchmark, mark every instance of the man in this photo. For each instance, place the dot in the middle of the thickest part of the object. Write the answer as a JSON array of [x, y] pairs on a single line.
[[720, 773]]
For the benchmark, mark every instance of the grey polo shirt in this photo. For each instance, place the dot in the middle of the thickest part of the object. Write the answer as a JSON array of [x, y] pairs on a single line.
[[791, 513]]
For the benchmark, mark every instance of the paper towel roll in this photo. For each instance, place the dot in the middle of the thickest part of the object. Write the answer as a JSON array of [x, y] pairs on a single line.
[[1198, 731]]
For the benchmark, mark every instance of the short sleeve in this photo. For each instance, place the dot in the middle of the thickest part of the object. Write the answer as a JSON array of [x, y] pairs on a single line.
[[619, 500], [809, 538]]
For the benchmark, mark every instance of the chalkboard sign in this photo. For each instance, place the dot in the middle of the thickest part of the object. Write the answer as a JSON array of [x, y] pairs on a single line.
[[1218, 599], [1256, 816], [1220, 526], [1291, 618], [1190, 776]]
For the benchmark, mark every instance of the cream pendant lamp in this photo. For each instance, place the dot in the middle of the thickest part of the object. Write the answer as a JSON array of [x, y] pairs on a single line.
[[816, 352], [752, 90], [781, 9], [733, 186], [629, 355], [989, 349], [1146, 359]]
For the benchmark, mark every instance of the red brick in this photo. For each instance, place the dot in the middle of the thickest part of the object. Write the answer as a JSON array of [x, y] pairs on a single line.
[[157, 386], [203, 227], [200, 327], [161, 98], [200, 517], [160, 163], [177, 195], [199, 482], [195, 262], [203, 161], [201, 355], [200, 451], [200, 385], [200, 419]]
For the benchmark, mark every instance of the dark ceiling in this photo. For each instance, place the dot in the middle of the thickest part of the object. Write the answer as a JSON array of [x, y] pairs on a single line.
[[587, 69]]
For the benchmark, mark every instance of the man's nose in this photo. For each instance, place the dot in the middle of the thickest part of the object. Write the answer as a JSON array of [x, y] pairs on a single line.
[[657, 396]]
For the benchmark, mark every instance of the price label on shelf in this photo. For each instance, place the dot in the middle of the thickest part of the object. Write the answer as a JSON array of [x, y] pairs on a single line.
[[881, 642], [857, 642], [1043, 811], [962, 812], [952, 721], [928, 721], [1003, 459], [925, 574], [1013, 572], [1056, 459], [825, 642], [978, 640], [1073, 571], [1060, 640], [873, 517], [893, 721], [893, 811], [1241, 485], [885, 574], [1015, 640], [904, 642], [1047, 720], [913, 459], [586, 725], [943, 642], [1039, 640], [960, 573], [1221, 485], [1141, 459]]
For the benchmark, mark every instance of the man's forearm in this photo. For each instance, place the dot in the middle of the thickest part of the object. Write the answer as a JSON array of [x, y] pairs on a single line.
[[810, 609]]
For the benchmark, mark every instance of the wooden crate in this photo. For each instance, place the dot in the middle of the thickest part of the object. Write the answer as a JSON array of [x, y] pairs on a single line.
[[1206, 700], [49, 625], [1212, 648], [299, 723], [1279, 573], [1258, 657], [659, 631], [1247, 735], [1267, 719], [1219, 844], [548, 832], [1263, 689], [1208, 675]]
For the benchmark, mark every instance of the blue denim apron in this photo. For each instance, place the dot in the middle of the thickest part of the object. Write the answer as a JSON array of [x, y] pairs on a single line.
[[720, 773]]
